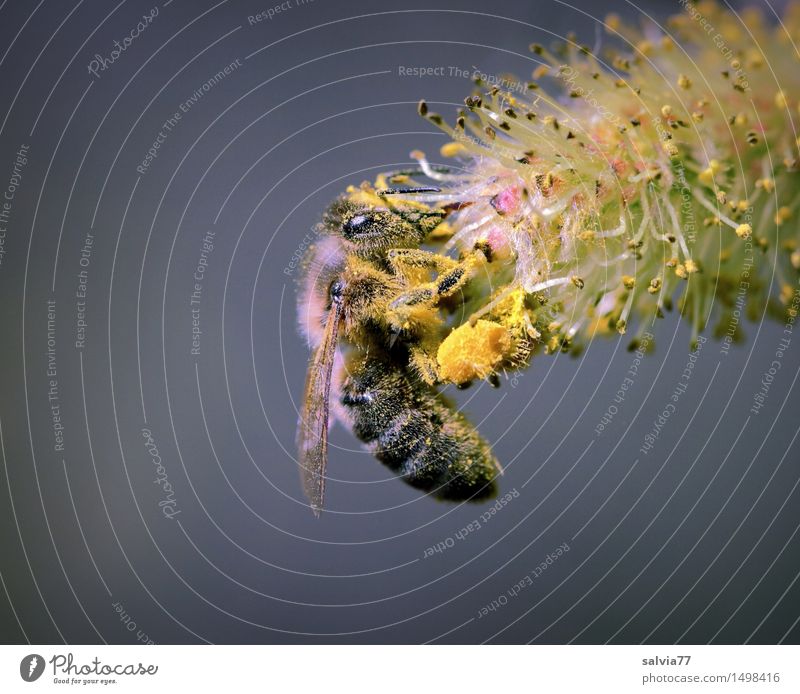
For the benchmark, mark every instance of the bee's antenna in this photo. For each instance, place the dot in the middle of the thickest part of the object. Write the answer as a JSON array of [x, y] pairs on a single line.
[[408, 191]]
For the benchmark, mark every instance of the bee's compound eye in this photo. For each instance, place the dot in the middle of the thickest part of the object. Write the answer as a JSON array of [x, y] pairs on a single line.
[[356, 225], [336, 290]]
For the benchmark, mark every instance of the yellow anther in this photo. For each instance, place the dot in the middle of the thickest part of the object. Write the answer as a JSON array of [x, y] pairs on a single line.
[[768, 184], [541, 71], [782, 215], [452, 149], [671, 149]]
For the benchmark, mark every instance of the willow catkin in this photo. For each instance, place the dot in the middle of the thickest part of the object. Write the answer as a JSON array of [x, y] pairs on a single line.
[[662, 172]]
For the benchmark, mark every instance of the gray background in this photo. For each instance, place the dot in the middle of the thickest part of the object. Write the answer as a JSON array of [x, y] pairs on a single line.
[[694, 542]]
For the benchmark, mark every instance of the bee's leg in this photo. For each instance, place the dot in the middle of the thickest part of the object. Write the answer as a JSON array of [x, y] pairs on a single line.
[[411, 315], [424, 363], [452, 275], [405, 261], [413, 265], [424, 360], [423, 294]]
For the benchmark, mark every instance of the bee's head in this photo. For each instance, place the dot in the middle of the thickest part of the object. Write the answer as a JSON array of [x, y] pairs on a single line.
[[361, 226], [376, 228]]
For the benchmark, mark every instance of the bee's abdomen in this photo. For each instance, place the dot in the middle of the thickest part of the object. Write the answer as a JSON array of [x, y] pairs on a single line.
[[413, 431]]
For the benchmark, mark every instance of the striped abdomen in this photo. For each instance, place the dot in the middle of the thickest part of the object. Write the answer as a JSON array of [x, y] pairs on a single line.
[[412, 430]]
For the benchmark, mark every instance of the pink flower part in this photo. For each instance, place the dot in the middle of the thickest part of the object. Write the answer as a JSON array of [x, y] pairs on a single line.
[[507, 200], [497, 240]]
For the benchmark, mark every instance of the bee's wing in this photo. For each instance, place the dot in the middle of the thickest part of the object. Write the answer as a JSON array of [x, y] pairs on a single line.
[[312, 429]]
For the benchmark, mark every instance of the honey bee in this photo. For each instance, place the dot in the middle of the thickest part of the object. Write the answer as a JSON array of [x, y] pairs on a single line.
[[561, 223], [371, 307]]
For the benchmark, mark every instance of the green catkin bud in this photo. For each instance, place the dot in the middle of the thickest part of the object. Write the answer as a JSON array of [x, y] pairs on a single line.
[[618, 194]]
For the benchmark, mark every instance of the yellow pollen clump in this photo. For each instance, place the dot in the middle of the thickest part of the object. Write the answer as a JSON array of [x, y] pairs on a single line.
[[473, 352], [628, 281], [511, 313], [684, 82], [691, 266], [743, 231], [780, 99]]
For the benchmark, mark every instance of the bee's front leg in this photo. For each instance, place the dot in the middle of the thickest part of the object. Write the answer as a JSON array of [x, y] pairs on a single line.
[[415, 262], [452, 275], [414, 309]]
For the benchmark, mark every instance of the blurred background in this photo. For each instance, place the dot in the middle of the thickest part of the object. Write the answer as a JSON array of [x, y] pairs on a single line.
[[162, 190]]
